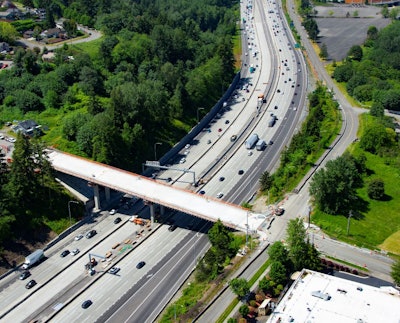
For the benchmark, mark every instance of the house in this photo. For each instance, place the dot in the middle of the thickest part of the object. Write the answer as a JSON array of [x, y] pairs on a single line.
[[28, 128], [48, 57], [28, 34], [51, 33], [4, 47]]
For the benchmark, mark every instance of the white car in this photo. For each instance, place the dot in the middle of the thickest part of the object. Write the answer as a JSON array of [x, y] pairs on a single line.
[[1, 137], [78, 237], [113, 211], [220, 195], [75, 252], [182, 161]]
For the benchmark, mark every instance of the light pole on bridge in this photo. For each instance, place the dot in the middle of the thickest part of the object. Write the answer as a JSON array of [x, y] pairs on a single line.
[[155, 149]]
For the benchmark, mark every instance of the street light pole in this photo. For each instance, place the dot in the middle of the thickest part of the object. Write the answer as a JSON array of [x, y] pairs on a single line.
[[69, 211], [155, 149], [198, 109], [348, 221]]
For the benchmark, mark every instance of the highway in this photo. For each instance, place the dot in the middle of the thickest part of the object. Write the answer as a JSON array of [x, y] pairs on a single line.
[[133, 294]]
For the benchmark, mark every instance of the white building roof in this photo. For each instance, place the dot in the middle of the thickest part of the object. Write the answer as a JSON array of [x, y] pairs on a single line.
[[348, 301], [147, 189]]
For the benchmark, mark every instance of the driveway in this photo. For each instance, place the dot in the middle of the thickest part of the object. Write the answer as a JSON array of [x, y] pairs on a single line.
[[93, 35]]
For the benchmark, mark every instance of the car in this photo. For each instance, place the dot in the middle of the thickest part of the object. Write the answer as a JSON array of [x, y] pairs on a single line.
[[90, 234], [220, 195], [187, 146], [233, 137], [114, 270], [279, 91], [117, 220], [86, 303], [140, 265], [202, 192], [270, 142], [24, 275], [241, 172], [64, 253], [250, 153], [172, 228], [1, 137], [226, 121], [30, 284], [221, 179], [113, 211], [75, 252], [219, 129], [182, 160], [208, 141], [276, 107], [78, 237]]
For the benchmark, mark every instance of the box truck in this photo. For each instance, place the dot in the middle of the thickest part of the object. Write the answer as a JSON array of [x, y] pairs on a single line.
[[33, 258], [251, 141], [260, 145]]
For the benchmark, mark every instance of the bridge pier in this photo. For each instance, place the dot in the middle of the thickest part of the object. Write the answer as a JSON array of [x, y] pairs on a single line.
[[96, 197], [108, 195], [152, 212], [162, 210]]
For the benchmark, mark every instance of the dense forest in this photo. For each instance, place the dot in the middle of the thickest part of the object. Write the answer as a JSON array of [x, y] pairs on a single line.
[[157, 63]]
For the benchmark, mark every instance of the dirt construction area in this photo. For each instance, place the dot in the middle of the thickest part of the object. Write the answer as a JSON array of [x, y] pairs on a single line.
[[340, 29]]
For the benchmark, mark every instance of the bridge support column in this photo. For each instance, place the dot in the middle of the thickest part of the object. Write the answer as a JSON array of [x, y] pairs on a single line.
[[107, 189], [96, 197], [152, 212], [162, 210]]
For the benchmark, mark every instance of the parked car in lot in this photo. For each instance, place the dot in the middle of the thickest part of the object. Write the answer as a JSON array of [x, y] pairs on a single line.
[[113, 211], [64, 253], [24, 275], [114, 270], [90, 234], [87, 303], [140, 265], [75, 252], [30, 284]]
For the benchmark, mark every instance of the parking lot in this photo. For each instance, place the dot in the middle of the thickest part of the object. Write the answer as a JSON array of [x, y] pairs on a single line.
[[339, 33]]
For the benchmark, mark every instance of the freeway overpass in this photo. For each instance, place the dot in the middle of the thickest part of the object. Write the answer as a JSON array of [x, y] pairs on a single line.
[[152, 192]]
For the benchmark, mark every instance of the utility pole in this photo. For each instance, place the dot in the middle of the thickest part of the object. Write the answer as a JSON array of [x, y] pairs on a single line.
[[348, 221]]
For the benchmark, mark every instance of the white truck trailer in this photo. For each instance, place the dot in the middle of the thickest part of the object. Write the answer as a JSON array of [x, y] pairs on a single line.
[[33, 258]]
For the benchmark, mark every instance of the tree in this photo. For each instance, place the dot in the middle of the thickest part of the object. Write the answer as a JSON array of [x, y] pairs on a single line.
[[376, 189], [324, 51], [278, 252], [70, 27], [333, 187], [278, 272], [375, 137], [221, 240], [296, 242], [372, 33], [8, 33], [266, 181], [395, 273], [239, 287], [355, 53], [385, 11], [244, 310]]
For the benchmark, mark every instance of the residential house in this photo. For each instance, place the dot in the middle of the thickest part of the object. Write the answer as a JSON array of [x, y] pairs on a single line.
[[28, 128]]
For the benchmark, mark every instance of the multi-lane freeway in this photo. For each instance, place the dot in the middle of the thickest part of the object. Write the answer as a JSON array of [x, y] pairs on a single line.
[[226, 169]]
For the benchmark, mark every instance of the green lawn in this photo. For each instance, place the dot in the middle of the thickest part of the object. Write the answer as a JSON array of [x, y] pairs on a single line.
[[379, 220]]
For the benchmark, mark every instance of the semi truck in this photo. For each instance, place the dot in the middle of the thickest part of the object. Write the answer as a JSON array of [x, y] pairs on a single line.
[[260, 145], [251, 141], [33, 258], [271, 121]]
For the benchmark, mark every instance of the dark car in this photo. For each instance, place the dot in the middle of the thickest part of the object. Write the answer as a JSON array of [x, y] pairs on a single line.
[[24, 275], [270, 142], [30, 284], [172, 228], [202, 192], [64, 253], [87, 303], [90, 234], [140, 265], [117, 220], [221, 179], [241, 172]]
